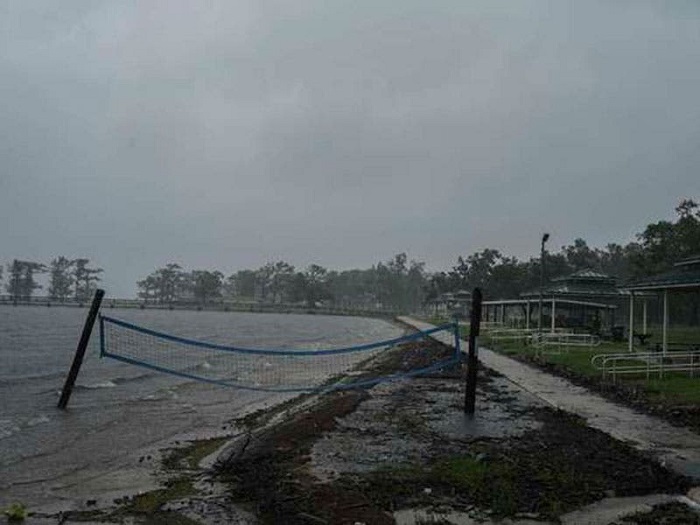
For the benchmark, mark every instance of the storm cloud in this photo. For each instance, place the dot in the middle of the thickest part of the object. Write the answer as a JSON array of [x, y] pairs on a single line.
[[224, 134]]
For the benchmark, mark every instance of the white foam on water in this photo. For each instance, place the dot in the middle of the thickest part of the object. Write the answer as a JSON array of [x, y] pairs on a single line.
[[7, 428], [38, 420], [101, 384]]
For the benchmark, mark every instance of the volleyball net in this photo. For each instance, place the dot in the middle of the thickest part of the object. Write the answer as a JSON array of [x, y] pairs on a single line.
[[283, 370]]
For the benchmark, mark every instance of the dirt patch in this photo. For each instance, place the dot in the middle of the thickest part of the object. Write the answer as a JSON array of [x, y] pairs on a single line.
[[359, 456], [546, 472], [270, 476]]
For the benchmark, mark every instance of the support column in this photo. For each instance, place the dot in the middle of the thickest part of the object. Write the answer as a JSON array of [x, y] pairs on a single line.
[[630, 340], [665, 332], [612, 318], [527, 315], [644, 316], [554, 314], [503, 314]]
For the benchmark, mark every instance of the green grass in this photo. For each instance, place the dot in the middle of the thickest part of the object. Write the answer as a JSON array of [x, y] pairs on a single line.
[[488, 484], [578, 360], [151, 502], [188, 457], [675, 388], [676, 334]]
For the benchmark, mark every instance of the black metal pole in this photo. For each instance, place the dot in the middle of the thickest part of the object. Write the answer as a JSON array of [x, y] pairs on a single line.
[[545, 238], [472, 358], [80, 351]]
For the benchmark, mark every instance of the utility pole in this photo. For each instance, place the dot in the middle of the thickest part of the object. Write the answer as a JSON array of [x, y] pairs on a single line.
[[545, 238]]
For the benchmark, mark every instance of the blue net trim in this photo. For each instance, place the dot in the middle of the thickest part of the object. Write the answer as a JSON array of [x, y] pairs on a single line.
[[273, 352], [322, 388]]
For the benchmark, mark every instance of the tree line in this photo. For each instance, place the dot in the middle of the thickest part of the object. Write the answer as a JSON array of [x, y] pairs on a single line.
[[69, 279], [405, 285], [397, 284], [653, 251]]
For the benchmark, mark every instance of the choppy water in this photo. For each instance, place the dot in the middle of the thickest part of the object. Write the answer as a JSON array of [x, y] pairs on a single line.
[[119, 413]]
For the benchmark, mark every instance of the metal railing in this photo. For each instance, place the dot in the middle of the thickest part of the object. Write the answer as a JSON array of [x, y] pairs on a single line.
[[510, 334], [557, 342], [647, 363]]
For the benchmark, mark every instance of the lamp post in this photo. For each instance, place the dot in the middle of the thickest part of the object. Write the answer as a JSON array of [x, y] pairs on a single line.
[[545, 238]]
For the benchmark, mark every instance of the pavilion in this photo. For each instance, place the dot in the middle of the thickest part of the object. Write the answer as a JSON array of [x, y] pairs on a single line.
[[683, 277], [585, 294], [581, 299], [449, 303]]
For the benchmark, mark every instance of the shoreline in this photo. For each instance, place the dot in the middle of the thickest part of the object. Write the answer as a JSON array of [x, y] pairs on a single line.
[[267, 473]]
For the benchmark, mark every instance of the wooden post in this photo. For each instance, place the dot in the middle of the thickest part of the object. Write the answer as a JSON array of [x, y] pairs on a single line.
[[472, 358], [80, 351]]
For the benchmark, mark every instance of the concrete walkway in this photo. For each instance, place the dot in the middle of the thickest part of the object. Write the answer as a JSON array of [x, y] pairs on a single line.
[[677, 448]]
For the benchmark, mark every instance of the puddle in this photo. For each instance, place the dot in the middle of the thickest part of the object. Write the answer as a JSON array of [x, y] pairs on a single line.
[[405, 422]]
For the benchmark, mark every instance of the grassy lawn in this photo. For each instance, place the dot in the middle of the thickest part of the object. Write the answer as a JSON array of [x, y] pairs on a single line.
[[676, 334], [675, 388]]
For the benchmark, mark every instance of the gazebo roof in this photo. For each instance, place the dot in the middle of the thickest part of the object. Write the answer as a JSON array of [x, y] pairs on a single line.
[[588, 276], [586, 282], [685, 274]]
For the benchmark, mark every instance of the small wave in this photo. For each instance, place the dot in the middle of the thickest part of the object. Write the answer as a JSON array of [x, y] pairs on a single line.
[[38, 420], [7, 381], [160, 395], [93, 386], [132, 379], [7, 428]]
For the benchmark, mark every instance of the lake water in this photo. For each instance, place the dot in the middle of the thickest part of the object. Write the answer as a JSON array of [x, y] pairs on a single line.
[[119, 415]]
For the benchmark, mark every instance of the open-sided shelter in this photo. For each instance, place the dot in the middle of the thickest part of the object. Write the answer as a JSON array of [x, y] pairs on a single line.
[[683, 277], [582, 298]]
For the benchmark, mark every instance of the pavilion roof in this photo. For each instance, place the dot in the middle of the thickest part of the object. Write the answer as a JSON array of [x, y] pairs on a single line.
[[583, 283], [685, 274], [588, 276]]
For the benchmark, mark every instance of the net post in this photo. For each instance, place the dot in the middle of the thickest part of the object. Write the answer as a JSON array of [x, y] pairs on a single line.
[[80, 351], [472, 359], [102, 336]]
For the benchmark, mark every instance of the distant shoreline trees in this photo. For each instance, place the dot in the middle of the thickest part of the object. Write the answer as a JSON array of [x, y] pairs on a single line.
[[398, 284], [68, 279]]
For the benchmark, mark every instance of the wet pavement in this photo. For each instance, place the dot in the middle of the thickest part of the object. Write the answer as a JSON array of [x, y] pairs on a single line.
[[677, 448]]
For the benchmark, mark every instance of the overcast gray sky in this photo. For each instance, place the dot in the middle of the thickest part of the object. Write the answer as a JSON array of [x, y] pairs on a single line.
[[224, 134]]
